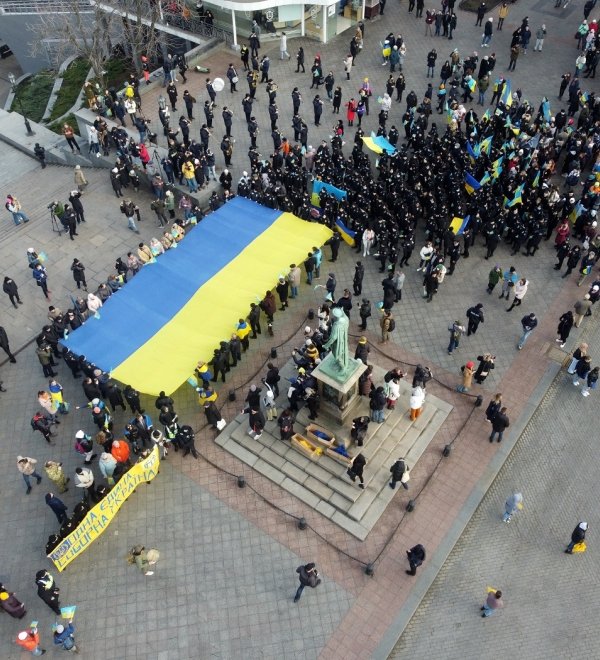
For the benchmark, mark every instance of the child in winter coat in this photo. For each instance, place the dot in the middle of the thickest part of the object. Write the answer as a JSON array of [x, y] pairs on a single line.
[[269, 403], [468, 370], [417, 399]]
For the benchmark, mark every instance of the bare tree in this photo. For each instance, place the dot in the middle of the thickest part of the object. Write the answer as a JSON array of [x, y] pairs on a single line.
[[89, 28], [74, 28]]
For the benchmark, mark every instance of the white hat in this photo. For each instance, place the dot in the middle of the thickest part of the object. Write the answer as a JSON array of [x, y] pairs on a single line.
[[95, 401], [30, 250], [60, 628], [80, 434], [583, 525], [115, 170], [307, 329], [23, 635]]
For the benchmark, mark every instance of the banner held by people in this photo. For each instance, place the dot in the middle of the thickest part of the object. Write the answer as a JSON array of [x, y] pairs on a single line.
[[99, 518]]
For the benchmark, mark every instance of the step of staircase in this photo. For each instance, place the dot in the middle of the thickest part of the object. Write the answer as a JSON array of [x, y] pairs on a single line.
[[324, 484]]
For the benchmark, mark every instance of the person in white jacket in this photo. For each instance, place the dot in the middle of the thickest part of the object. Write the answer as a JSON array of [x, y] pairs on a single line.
[[367, 241], [520, 291], [392, 393], [93, 302], [426, 253], [417, 399], [283, 54], [84, 478], [386, 102]]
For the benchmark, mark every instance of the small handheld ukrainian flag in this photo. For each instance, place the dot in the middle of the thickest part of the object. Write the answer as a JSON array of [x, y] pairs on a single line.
[[458, 225], [506, 97], [471, 183]]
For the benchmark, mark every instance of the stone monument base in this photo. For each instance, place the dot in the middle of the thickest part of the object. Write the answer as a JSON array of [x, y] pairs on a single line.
[[323, 484], [339, 396]]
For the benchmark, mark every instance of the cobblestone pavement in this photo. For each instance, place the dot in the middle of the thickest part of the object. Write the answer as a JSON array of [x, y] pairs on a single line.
[[226, 578], [547, 593]]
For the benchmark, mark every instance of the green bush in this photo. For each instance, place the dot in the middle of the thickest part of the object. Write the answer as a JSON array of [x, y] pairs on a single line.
[[117, 73], [33, 94], [73, 80]]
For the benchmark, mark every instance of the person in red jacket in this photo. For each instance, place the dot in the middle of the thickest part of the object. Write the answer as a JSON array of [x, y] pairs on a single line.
[[120, 451], [30, 641]]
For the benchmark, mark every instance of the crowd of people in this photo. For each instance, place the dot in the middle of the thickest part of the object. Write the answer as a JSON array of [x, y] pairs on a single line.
[[495, 171]]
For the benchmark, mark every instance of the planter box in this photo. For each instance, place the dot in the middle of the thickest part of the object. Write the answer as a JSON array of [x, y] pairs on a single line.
[[321, 442], [306, 447]]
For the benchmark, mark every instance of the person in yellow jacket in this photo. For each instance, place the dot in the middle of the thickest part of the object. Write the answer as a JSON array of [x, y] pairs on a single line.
[[206, 395], [189, 174], [502, 14], [242, 330]]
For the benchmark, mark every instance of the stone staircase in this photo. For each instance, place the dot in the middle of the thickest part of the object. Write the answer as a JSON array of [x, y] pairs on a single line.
[[323, 484]]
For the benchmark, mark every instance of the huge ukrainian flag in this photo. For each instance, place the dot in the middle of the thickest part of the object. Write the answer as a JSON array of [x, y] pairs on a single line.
[[175, 312]]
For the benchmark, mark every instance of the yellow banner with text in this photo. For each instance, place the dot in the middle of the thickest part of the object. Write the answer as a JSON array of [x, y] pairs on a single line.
[[99, 518]]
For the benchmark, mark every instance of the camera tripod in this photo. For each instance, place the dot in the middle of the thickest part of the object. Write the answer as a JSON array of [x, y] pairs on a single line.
[[56, 226]]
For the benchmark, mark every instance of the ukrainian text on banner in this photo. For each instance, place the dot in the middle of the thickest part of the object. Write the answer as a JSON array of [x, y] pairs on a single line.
[[98, 519]]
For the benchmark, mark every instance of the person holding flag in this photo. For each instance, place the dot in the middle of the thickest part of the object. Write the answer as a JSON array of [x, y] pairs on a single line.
[[30, 640]]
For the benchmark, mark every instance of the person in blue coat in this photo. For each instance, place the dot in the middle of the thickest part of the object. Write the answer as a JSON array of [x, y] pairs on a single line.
[[58, 506], [65, 636]]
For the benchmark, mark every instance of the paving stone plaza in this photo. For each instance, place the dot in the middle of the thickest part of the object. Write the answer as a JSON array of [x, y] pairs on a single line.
[[225, 582]]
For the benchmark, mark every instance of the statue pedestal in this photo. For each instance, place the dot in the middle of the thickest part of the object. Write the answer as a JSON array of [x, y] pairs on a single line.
[[338, 390]]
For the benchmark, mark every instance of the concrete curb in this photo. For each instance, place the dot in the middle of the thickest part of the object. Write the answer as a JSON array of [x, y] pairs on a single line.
[[11, 95], [57, 85], [434, 564]]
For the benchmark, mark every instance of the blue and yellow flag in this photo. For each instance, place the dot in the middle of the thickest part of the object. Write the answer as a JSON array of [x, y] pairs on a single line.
[[471, 183], [449, 116], [68, 612], [518, 197], [348, 235], [485, 146], [536, 180], [506, 97], [472, 84], [458, 225], [576, 212], [233, 255], [485, 178], [486, 115], [472, 154]]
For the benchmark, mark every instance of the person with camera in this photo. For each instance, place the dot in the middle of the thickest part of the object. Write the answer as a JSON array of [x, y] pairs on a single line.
[[486, 364], [309, 577], [75, 200]]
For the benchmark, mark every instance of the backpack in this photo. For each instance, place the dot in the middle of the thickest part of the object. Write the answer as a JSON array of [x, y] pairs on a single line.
[[6, 206], [392, 325]]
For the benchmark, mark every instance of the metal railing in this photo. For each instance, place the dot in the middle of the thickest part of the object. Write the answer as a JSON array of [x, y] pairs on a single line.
[[39, 7], [198, 27]]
